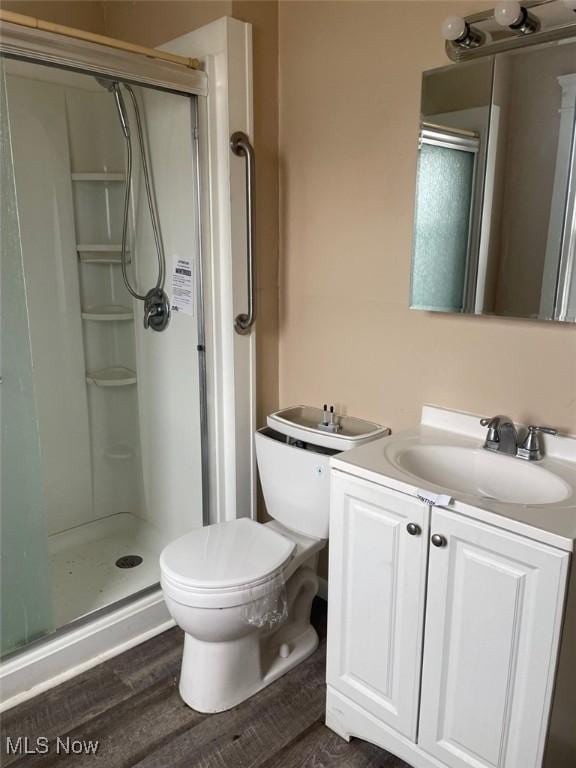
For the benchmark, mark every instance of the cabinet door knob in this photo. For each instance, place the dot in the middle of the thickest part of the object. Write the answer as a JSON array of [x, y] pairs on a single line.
[[438, 540], [413, 529]]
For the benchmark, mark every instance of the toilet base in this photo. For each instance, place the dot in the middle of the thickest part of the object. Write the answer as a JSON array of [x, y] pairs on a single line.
[[218, 676]]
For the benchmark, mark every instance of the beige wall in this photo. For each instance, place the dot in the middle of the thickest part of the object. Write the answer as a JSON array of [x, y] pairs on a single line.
[[533, 124], [153, 22], [349, 104], [82, 14], [263, 16]]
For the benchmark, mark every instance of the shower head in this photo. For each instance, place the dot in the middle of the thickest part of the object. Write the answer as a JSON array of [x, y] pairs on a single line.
[[113, 86], [121, 107]]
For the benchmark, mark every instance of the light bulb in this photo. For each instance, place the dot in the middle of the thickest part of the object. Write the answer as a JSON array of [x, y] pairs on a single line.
[[453, 27], [508, 13]]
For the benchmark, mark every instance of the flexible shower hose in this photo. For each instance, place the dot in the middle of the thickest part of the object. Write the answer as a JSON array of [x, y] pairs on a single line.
[[154, 219]]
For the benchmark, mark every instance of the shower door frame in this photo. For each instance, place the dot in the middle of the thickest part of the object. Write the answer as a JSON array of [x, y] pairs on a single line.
[[226, 51], [59, 50]]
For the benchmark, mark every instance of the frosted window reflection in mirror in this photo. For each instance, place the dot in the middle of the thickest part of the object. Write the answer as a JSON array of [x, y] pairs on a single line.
[[516, 257], [444, 197]]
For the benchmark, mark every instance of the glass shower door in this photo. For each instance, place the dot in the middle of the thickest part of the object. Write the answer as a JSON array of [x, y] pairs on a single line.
[[102, 450], [26, 610]]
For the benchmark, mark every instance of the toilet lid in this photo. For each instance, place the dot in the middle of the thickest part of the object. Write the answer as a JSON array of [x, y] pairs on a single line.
[[225, 555]]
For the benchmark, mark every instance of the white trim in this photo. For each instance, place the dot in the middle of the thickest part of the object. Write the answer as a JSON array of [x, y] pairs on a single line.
[[225, 48], [488, 210], [552, 278], [348, 719], [70, 653], [437, 137]]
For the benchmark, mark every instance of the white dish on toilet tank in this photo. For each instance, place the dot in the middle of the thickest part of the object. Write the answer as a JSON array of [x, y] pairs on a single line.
[[301, 422]]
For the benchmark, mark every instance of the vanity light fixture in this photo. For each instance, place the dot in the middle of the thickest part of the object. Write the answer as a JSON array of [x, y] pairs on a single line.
[[456, 30], [514, 16], [476, 35]]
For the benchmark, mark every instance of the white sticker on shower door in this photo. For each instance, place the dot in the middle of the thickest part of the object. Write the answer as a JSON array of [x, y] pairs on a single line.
[[182, 287]]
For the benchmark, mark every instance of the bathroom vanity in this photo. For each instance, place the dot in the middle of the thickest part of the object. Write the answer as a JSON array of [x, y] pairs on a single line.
[[452, 612]]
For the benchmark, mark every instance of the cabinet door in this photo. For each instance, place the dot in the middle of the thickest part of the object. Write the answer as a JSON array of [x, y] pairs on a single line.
[[376, 605], [492, 624]]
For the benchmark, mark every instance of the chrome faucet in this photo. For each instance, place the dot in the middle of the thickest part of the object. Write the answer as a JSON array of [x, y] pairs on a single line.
[[503, 437]]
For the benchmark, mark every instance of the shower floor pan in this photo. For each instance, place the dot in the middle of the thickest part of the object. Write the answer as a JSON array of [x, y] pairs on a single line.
[[83, 567]]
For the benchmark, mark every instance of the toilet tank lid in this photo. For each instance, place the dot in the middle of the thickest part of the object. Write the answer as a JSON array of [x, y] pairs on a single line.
[[225, 555], [302, 422]]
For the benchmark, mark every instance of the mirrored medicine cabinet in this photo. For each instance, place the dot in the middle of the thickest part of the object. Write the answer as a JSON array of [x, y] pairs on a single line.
[[495, 211]]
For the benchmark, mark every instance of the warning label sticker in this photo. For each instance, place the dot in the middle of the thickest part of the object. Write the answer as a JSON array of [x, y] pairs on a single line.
[[182, 287]]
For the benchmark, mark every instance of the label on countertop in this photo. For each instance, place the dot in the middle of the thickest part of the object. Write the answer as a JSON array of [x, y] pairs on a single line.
[[434, 499], [182, 287]]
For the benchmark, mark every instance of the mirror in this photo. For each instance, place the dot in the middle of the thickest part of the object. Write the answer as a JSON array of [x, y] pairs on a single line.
[[495, 214]]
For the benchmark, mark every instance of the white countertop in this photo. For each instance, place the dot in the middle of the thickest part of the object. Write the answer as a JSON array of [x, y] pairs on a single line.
[[553, 524]]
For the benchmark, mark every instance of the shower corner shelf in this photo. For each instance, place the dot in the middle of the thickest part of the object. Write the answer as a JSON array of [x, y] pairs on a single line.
[[107, 313], [101, 253], [119, 452], [99, 176], [116, 376]]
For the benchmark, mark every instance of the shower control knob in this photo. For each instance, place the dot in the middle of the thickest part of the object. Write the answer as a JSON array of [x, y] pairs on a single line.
[[438, 540], [413, 529], [156, 310]]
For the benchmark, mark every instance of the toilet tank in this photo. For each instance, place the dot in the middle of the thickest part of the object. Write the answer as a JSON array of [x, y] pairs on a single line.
[[293, 455]]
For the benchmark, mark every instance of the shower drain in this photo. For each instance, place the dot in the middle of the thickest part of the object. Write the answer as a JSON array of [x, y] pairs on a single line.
[[128, 561]]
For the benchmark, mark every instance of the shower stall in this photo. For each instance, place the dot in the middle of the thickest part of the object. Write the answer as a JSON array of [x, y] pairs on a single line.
[[109, 449]]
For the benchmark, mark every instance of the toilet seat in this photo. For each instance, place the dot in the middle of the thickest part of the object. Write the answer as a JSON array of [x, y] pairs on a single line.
[[224, 564]]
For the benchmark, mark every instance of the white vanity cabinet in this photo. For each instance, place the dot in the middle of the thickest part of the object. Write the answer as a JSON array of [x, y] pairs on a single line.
[[493, 613], [444, 654], [377, 594]]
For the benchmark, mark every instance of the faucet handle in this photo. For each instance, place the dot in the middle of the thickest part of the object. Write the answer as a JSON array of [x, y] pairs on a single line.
[[531, 448], [547, 430], [492, 424]]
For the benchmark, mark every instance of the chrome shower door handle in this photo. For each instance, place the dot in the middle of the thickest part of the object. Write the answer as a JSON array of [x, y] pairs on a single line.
[[240, 146]]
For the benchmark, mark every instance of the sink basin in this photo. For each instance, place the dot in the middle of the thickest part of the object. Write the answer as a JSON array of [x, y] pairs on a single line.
[[480, 473]]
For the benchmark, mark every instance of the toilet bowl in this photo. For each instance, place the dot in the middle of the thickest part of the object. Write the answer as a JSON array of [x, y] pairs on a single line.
[[241, 590], [234, 571]]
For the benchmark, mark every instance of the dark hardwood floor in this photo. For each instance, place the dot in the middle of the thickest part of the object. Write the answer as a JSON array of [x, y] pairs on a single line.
[[130, 704]]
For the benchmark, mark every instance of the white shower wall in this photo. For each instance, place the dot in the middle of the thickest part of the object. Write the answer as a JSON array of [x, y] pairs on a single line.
[[169, 383], [107, 450], [97, 147]]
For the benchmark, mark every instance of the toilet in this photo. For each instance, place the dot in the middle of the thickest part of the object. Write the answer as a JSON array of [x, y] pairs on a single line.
[[241, 590]]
